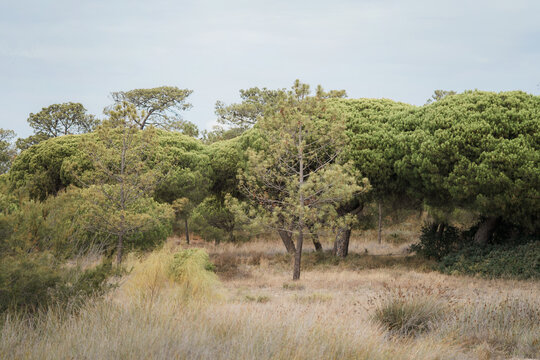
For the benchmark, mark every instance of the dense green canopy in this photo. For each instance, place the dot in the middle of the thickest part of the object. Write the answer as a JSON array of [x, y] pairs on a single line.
[[52, 165], [41, 168], [477, 150], [374, 144]]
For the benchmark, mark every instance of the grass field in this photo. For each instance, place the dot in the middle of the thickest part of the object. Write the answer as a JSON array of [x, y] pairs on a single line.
[[379, 304]]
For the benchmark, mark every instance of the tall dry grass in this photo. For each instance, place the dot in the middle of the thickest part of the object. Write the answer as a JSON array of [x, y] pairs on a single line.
[[262, 315], [107, 330]]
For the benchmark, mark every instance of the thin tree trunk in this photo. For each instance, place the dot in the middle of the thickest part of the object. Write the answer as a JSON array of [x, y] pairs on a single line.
[[119, 249], [187, 230], [485, 231], [286, 237], [298, 255], [346, 242], [380, 223]]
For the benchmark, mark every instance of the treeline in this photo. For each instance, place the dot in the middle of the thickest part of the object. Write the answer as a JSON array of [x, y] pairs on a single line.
[[290, 161]]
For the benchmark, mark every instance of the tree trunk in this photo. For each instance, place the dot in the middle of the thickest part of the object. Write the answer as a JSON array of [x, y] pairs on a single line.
[[187, 231], [301, 202], [315, 238], [119, 249], [380, 223], [341, 244], [298, 256], [316, 242], [286, 237], [343, 235], [485, 231]]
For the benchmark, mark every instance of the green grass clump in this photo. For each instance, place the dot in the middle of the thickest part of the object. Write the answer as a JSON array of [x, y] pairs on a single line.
[[407, 316], [293, 286], [313, 298], [258, 298]]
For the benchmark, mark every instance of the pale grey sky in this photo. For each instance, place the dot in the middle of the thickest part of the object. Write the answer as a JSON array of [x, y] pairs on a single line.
[[54, 51]]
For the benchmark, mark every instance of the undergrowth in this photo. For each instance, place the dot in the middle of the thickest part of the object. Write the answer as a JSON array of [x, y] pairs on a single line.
[[518, 262], [33, 283]]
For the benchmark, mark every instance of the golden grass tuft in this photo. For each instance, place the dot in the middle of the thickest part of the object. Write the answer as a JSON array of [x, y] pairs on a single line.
[[186, 274], [192, 270], [149, 276]]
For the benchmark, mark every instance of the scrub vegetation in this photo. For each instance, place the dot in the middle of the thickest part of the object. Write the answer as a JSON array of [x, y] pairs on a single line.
[[304, 225]]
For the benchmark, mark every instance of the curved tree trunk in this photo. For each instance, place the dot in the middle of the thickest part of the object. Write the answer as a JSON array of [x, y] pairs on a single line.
[[341, 244], [316, 242], [286, 237], [315, 238], [485, 231]]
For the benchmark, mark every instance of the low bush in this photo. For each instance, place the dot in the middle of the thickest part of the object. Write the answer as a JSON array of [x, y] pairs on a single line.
[[518, 262], [26, 283], [437, 241], [66, 225], [29, 283]]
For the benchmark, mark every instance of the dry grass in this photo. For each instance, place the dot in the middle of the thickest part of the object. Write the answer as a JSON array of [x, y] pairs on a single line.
[[263, 315]]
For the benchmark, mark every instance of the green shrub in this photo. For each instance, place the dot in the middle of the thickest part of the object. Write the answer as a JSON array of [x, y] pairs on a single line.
[[67, 225], [26, 283], [435, 244], [518, 262], [77, 285], [29, 283], [213, 221]]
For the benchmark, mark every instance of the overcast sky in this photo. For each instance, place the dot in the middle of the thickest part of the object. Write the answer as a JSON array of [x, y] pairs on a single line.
[[57, 51]]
